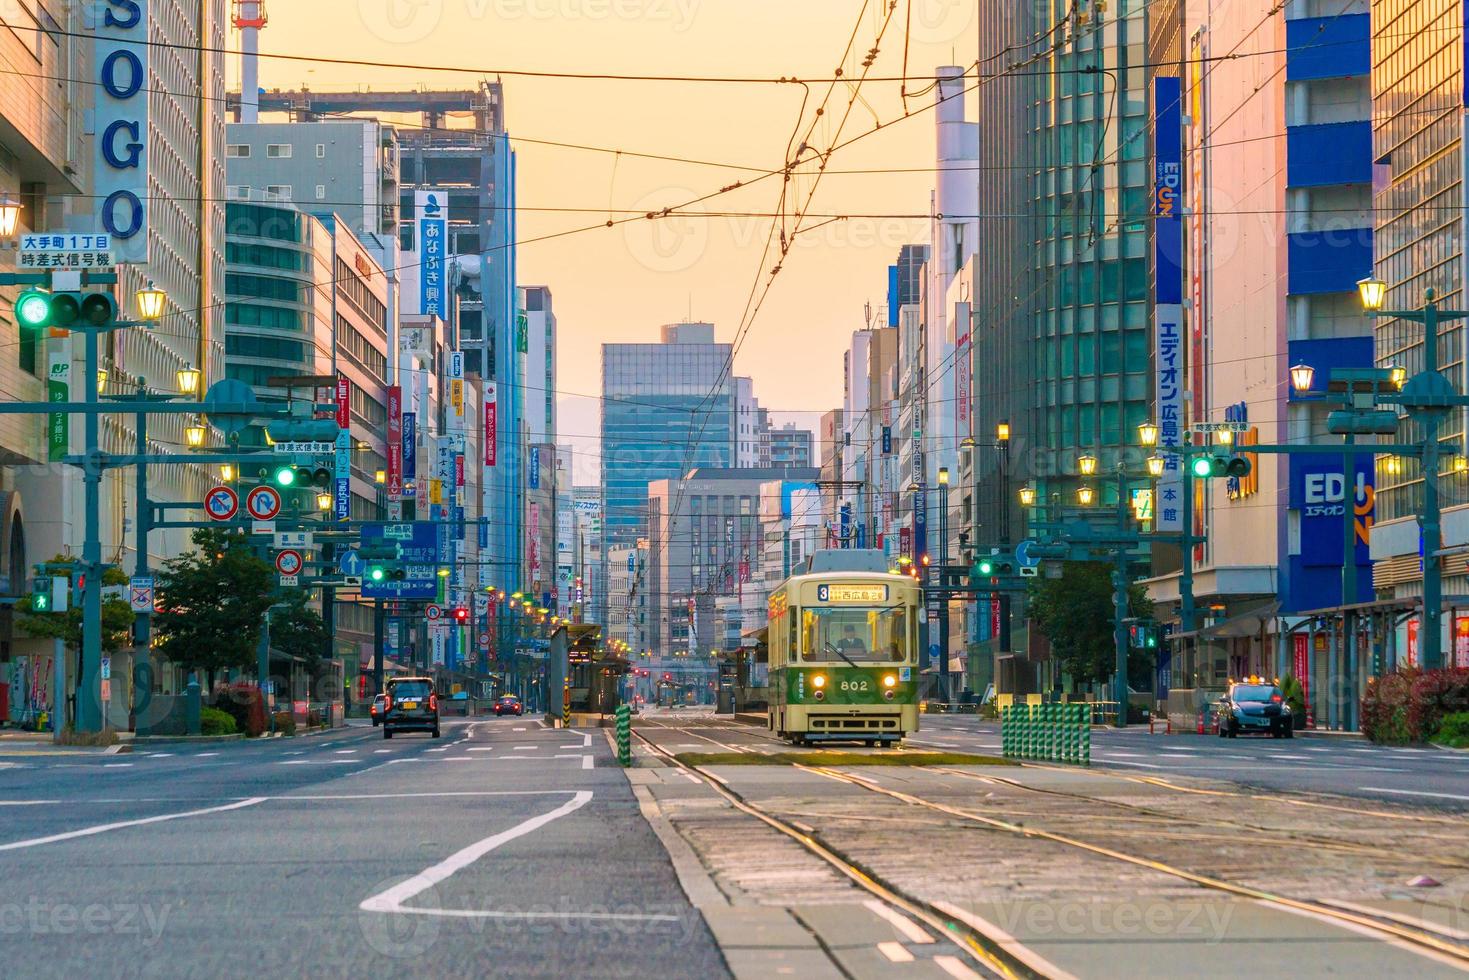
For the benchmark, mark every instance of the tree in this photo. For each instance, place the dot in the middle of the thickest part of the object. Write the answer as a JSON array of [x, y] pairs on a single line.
[[117, 616], [212, 601], [298, 630], [1075, 613]]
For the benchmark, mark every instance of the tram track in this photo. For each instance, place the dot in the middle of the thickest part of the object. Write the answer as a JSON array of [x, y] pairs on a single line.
[[1446, 947], [997, 956]]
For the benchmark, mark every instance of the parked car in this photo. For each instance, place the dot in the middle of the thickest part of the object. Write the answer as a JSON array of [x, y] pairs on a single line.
[[509, 704], [1254, 706], [376, 711], [411, 705]]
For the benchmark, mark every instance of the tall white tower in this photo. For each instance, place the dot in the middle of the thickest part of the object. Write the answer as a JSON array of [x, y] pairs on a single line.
[[249, 18]]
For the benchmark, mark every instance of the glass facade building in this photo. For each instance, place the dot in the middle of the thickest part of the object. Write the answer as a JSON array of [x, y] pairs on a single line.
[[1418, 115], [667, 408]]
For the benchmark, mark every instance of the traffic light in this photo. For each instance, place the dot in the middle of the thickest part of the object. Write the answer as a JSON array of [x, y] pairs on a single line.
[[285, 476], [461, 615], [302, 475], [50, 593], [37, 308], [1210, 467], [41, 594], [379, 572]]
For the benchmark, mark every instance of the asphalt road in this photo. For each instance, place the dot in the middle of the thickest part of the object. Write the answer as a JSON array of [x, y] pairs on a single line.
[[503, 849], [1428, 777]]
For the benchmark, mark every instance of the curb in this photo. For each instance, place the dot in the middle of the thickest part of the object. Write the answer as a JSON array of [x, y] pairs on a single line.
[[186, 739]]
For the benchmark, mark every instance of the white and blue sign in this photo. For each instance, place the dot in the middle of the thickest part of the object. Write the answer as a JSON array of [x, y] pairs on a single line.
[[342, 476], [1168, 296], [120, 126], [535, 467], [1023, 557], [410, 446], [432, 250], [351, 563], [418, 552]]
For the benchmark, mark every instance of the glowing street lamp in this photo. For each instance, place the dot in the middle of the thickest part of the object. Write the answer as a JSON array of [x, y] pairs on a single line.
[[1373, 292], [152, 301], [1155, 466], [1027, 496], [1085, 496], [9, 215], [1301, 378], [194, 435], [1147, 434], [323, 501], [1086, 465], [188, 380]]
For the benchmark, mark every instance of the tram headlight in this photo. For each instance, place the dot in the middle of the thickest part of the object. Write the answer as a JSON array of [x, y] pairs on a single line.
[[889, 680], [818, 681], [888, 694]]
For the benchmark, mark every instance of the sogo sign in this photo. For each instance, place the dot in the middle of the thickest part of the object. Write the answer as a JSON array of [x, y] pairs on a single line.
[[120, 129]]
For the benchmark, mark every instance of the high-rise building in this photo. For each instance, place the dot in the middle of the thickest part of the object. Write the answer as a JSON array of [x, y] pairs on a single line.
[[667, 408], [539, 363], [790, 447]]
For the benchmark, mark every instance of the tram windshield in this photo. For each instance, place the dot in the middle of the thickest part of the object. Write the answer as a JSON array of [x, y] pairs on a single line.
[[881, 633]]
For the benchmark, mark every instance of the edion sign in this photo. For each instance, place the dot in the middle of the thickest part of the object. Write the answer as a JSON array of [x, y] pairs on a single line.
[[120, 132]]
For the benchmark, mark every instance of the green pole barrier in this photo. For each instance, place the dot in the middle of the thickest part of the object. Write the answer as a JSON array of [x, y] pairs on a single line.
[[624, 735], [1073, 733], [1086, 737], [1053, 736], [1023, 734], [1006, 730], [1029, 750]]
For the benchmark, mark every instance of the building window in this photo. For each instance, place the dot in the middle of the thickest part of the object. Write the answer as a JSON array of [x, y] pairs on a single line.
[[278, 151], [277, 192], [321, 192], [320, 150], [238, 192], [237, 150]]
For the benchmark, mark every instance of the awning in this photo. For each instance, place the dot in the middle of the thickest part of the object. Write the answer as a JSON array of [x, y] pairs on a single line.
[[1246, 624]]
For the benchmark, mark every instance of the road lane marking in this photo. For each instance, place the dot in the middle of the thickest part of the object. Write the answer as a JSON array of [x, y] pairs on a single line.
[[204, 755], [955, 968], [392, 899], [117, 765], [346, 751], [898, 921], [159, 755], [586, 762], [123, 824], [522, 748], [1028, 957], [317, 762], [521, 729], [481, 748], [29, 802], [381, 751], [895, 952], [1412, 792]]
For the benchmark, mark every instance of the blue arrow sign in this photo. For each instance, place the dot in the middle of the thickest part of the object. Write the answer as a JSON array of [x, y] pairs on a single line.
[[351, 563], [1023, 555]]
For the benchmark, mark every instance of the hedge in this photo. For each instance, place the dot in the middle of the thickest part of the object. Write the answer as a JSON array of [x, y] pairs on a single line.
[[1409, 706]]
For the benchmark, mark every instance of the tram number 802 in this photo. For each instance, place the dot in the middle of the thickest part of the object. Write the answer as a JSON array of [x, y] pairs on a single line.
[[857, 685]]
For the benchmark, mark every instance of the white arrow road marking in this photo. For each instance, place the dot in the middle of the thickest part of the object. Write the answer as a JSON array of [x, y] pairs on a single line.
[[105, 827], [392, 900]]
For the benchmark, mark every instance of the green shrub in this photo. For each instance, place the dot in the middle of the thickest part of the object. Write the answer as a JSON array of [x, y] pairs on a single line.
[[285, 723], [1410, 705], [1454, 730], [212, 721], [1295, 696]]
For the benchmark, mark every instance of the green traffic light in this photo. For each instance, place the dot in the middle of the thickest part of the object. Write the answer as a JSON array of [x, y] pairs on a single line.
[[40, 602], [376, 573], [986, 568], [1202, 467], [33, 309], [285, 476]]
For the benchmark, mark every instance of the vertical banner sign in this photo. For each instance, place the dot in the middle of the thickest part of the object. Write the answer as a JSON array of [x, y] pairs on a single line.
[[522, 332], [410, 447], [395, 442], [533, 550], [1168, 298], [490, 424], [120, 133], [1301, 663], [342, 476], [962, 366], [432, 226], [344, 403], [58, 389], [920, 522], [535, 468]]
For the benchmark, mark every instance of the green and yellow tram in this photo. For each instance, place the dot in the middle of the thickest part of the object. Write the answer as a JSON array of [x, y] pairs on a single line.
[[843, 639]]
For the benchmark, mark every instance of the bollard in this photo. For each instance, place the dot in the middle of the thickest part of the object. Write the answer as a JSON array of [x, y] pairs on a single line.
[[1005, 732], [624, 735], [1027, 750], [1053, 740], [1086, 736]]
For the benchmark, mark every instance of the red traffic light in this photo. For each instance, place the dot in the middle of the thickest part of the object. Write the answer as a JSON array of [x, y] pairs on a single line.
[[461, 615]]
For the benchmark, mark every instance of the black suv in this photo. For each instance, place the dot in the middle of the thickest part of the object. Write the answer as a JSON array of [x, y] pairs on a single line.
[[412, 705], [1254, 706]]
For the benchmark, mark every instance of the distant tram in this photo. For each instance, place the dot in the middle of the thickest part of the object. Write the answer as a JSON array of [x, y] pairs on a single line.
[[843, 638]]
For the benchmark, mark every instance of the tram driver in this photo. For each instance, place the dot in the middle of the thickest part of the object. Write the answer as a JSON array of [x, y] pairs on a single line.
[[850, 641]]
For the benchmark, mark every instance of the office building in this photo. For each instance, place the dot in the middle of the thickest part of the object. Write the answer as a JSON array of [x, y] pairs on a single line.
[[667, 408]]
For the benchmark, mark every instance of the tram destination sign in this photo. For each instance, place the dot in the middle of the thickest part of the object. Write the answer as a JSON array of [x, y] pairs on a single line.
[[851, 593]]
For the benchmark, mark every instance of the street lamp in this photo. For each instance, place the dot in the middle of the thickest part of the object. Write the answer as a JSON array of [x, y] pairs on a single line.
[[943, 476], [1027, 496], [1147, 434], [323, 501], [188, 380], [1397, 374], [1461, 463], [227, 472], [1301, 377], [9, 215], [1002, 432], [1155, 466], [1086, 465], [967, 443], [381, 476], [1372, 291], [194, 434], [1392, 465], [1085, 496], [151, 303], [1224, 437], [101, 380]]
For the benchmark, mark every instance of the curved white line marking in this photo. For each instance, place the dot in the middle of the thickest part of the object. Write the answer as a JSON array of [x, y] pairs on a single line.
[[104, 828]]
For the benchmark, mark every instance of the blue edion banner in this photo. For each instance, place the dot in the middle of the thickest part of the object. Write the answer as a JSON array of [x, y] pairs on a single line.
[[1168, 189]]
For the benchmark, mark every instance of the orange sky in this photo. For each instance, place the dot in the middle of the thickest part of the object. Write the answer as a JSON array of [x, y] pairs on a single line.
[[619, 284]]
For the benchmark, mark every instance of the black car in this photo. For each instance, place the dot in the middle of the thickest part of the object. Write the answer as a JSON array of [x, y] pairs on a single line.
[[1254, 706], [509, 704], [411, 705]]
